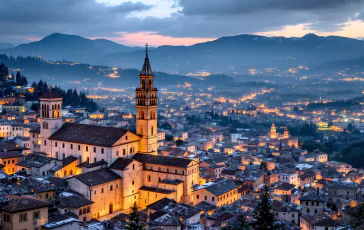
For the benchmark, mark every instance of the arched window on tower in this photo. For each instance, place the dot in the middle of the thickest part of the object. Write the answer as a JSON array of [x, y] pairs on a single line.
[[152, 130], [141, 114], [150, 84], [143, 84], [45, 125]]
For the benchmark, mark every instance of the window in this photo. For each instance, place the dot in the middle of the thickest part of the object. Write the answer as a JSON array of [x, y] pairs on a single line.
[[133, 182], [117, 153], [111, 188], [205, 197], [133, 166], [45, 125], [94, 149], [80, 212], [23, 217], [149, 178], [213, 198], [62, 145], [102, 190], [124, 151], [102, 150], [45, 142], [94, 192], [86, 148], [126, 138], [71, 146], [7, 218], [55, 144], [131, 150], [198, 197], [79, 147], [36, 215]]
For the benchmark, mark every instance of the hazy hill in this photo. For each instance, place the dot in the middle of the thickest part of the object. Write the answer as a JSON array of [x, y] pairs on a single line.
[[59, 46], [226, 54], [4, 45], [85, 75]]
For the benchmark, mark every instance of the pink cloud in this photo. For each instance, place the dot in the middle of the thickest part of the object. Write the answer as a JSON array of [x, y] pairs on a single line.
[[153, 39]]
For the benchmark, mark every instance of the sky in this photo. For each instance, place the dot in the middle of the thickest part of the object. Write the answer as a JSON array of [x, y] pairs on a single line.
[[177, 22]]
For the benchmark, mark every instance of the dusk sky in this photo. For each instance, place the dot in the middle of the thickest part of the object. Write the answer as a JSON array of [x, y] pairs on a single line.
[[177, 22]]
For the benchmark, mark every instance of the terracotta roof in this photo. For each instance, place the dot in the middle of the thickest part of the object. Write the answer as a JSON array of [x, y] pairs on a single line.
[[16, 204], [121, 163], [88, 134], [73, 201], [157, 190], [160, 204], [222, 187], [51, 95], [162, 160], [11, 154], [286, 186], [35, 161], [320, 219], [97, 177]]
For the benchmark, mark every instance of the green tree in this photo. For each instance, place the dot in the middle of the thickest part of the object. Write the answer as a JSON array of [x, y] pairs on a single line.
[[263, 165], [34, 107], [134, 222], [17, 77], [169, 137], [239, 223], [263, 215], [179, 142]]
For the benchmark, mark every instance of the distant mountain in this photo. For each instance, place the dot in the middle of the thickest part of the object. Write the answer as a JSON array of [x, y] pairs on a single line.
[[233, 54], [238, 53], [59, 46], [4, 45]]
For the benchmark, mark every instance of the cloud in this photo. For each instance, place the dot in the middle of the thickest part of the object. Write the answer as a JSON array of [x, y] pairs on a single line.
[[21, 19]]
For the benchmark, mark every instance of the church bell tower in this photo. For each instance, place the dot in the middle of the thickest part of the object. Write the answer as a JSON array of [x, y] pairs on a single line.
[[50, 118], [146, 109]]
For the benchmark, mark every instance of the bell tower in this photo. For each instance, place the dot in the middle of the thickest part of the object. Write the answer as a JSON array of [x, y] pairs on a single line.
[[146, 109], [50, 118], [273, 132]]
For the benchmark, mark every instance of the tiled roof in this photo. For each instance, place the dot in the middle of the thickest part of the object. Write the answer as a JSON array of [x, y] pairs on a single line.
[[35, 160], [319, 219], [11, 154], [86, 164], [286, 186], [170, 181], [97, 177], [313, 196], [65, 162], [121, 163], [221, 187], [16, 204], [51, 95], [162, 160], [157, 190], [88, 134], [160, 204], [73, 201]]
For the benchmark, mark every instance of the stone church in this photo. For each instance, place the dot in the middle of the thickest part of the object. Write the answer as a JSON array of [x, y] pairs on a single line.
[[116, 167]]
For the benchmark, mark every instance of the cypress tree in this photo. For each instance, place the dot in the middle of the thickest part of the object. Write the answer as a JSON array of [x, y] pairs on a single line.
[[134, 222], [263, 215]]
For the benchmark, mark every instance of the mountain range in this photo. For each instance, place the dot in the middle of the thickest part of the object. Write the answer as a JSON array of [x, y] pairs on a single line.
[[233, 54]]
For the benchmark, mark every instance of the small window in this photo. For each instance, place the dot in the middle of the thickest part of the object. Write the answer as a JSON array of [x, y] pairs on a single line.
[[117, 153], [79, 147], [23, 217], [102, 190], [198, 197], [133, 182], [71, 146], [102, 150], [111, 187], [7, 218], [62, 145], [36, 215], [55, 144], [94, 149], [86, 148]]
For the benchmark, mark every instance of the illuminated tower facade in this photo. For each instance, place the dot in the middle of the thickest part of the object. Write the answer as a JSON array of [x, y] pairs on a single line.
[[273, 132], [146, 109], [50, 118], [286, 133]]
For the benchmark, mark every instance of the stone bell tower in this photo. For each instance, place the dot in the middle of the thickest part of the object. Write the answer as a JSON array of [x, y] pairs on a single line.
[[50, 118], [146, 109]]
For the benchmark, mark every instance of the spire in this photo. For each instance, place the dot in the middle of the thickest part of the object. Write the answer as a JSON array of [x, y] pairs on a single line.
[[147, 70]]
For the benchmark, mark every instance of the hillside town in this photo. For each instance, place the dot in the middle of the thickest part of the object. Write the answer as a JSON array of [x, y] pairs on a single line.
[[208, 163]]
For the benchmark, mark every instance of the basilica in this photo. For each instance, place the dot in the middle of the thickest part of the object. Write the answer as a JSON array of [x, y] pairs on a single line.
[[115, 168]]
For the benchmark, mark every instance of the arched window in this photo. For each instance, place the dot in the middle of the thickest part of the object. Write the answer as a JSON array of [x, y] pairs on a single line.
[[133, 166], [45, 125], [133, 182], [71, 172], [149, 178], [143, 84], [152, 130], [141, 114], [131, 150], [159, 179], [124, 152]]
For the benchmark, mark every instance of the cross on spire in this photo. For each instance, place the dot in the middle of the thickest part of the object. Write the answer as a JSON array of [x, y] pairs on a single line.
[[147, 70], [146, 48]]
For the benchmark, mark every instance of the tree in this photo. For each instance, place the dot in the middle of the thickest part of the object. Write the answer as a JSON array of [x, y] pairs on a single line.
[[263, 215], [239, 223], [263, 165], [169, 137], [179, 142], [35, 107], [134, 222], [17, 78]]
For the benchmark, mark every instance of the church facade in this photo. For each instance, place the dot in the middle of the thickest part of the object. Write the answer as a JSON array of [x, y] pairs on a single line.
[[116, 167]]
